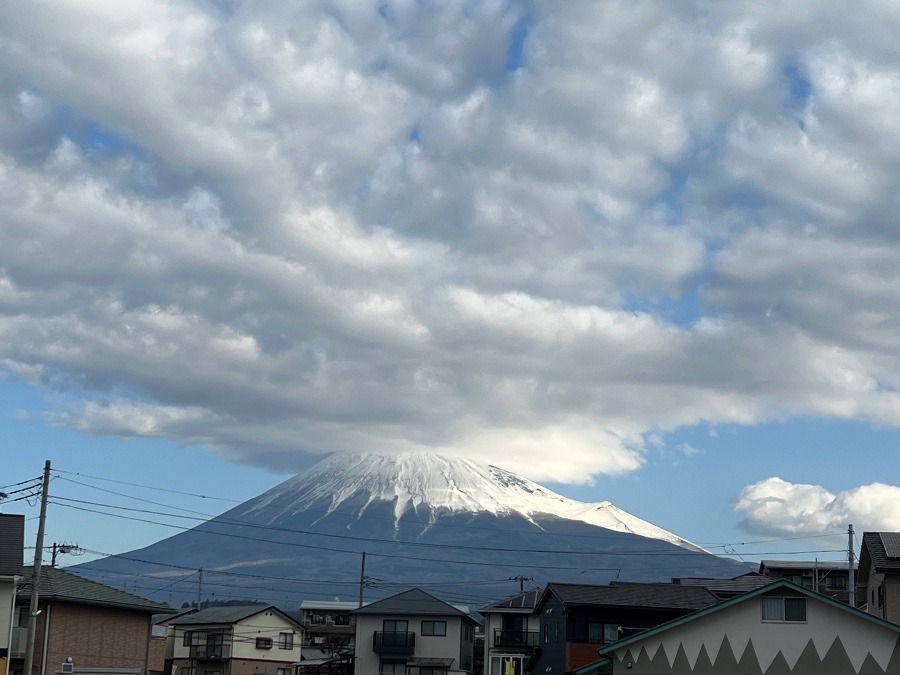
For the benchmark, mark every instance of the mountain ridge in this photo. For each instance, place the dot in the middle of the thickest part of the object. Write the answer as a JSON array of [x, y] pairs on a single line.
[[454, 527]]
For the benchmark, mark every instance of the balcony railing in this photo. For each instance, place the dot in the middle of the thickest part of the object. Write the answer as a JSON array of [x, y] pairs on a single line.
[[516, 638], [394, 643], [206, 652]]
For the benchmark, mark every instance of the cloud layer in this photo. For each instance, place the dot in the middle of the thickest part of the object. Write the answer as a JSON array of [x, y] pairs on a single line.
[[775, 506], [502, 228]]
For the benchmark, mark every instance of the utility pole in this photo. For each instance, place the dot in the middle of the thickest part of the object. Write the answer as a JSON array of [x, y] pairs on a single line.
[[851, 585], [36, 574], [362, 578], [521, 581], [199, 587]]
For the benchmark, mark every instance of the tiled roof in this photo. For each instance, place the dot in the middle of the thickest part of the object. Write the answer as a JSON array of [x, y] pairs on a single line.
[[414, 602], [226, 614], [873, 544], [741, 584], [620, 594], [822, 565], [57, 584], [523, 602]]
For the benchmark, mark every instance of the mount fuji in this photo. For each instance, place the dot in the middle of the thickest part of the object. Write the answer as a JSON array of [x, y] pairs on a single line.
[[465, 531]]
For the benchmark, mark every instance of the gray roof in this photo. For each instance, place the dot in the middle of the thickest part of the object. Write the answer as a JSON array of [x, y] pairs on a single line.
[[621, 594], [740, 584], [414, 602], [227, 614], [59, 585], [520, 603], [801, 565], [873, 548]]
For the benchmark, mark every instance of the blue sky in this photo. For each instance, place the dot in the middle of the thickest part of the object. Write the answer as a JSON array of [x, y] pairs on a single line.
[[641, 252]]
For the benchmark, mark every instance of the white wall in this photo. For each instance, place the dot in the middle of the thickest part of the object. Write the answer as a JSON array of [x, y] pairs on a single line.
[[240, 640], [450, 646], [743, 622]]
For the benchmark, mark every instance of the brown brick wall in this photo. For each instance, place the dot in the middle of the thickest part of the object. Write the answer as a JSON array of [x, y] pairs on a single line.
[[157, 661], [892, 598], [100, 637]]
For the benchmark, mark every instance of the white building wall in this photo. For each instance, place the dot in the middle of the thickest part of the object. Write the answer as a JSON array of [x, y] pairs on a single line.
[[451, 646], [743, 622], [267, 625], [240, 639]]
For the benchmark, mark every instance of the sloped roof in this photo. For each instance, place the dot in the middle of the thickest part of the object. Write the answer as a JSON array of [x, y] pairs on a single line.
[[228, 614], [822, 565], [775, 585], [620, 594], [414, 602], [873, 543], [739, 584], [523, 602], [59, 585]]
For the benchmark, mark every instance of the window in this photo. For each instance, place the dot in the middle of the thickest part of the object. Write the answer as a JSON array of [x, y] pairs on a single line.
[[264, 643], [191, 638], [212, 672], [285, 641], [599, 633], [546, 633], [507, 665], [187, 671], [283, 671], [434, 628], [392, 668], [610, 632], [836, 583], [395, 626], [783, 609]]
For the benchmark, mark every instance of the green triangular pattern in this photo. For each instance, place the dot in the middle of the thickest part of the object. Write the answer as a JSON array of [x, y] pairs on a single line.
[[836, 660], [779, 666], [749, 663], [704, 665], [893, 667], [870, 666], [809, 661], [726, 661], [681, 664]]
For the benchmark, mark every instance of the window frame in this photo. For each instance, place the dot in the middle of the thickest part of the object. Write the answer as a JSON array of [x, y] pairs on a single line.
[[781, 608], [264, 642], [433, 625], [286, 640]]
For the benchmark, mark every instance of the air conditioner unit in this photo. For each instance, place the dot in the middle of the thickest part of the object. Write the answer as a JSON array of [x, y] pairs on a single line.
[[67, 668], [200, 654]]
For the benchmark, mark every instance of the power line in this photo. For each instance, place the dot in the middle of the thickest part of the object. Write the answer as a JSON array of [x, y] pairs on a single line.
[[592, 536]]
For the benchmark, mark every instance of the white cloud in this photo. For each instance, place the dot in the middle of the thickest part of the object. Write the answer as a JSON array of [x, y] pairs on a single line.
[[278, 230], [776, 507]]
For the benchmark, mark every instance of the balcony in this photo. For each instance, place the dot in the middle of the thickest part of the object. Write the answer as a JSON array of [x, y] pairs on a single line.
[[516, 638], [208, 652], [394, 643]]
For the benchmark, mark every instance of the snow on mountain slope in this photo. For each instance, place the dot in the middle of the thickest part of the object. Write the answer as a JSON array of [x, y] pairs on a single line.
[[443, 484]]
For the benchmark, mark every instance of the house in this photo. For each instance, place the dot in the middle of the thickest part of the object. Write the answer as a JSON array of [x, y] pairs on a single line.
[[330, 626], [828, 578], [781, 628], [86, 625], [12, 542], [236, 640], [511, 630], [726, 588], [575, 619], [878, 580], [413, 633]]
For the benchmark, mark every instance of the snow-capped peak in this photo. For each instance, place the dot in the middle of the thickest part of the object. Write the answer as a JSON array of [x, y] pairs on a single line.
[[416, 479]]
